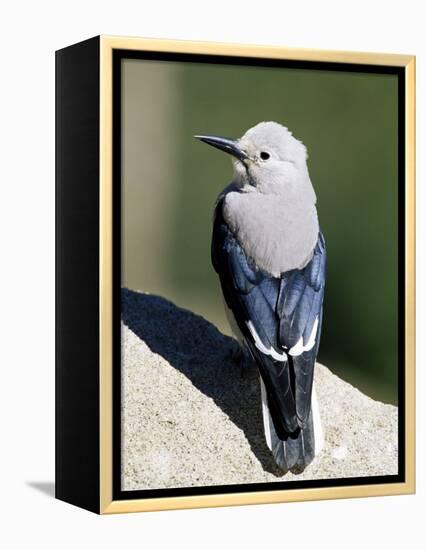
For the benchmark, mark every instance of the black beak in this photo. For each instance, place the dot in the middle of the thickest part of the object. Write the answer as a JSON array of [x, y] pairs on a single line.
[[225, 144]]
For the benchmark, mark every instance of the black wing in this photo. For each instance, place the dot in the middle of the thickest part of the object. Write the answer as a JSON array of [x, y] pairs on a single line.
[[273, 314]]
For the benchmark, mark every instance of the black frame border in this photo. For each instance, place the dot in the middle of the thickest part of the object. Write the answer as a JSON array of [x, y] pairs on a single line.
[[118, 56], [77, 157]]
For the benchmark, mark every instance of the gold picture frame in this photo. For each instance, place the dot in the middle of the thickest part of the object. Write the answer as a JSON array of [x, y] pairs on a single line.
[[105, 47]]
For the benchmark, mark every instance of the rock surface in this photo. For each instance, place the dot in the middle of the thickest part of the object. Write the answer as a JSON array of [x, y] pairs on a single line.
[[190, 418]]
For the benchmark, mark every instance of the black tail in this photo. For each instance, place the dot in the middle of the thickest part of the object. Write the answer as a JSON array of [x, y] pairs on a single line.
[[292, 451]]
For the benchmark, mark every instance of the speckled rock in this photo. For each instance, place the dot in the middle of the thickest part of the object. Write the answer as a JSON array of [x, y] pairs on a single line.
[[191, 417]]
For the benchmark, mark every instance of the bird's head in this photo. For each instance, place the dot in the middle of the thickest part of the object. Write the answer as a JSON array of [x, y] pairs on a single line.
[[266, 159]]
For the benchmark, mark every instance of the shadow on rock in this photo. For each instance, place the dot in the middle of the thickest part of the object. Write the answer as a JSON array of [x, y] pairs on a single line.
[[198, 350]]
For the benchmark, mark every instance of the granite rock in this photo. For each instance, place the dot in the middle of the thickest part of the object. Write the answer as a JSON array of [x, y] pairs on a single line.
[[192, 417]]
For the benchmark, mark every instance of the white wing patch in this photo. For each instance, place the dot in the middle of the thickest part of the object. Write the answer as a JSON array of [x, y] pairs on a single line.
[[299, 347], [266, 415], [259, 345], [319, 438]]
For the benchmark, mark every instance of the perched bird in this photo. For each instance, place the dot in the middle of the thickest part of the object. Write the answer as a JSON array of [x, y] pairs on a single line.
[[270, 256]]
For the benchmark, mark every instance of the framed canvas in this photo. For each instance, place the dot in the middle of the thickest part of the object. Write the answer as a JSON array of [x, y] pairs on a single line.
[[308, 244]]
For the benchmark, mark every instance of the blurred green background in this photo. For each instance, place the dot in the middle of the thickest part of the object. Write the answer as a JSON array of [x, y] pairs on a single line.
[[348, 121]]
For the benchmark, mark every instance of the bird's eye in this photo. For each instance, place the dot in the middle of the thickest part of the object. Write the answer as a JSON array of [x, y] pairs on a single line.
[[264, 155]]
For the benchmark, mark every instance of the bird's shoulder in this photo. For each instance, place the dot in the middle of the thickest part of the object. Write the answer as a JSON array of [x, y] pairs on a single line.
[[286, 292], [228, 252], [277, 233]]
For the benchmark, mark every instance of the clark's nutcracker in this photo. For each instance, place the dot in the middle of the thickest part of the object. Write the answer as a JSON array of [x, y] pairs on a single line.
[[269, 253]]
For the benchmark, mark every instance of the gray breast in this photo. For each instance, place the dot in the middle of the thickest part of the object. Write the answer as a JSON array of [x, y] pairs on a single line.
[[279, 235]]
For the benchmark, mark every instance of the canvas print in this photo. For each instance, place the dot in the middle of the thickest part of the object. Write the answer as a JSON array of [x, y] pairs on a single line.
[[259, 275]]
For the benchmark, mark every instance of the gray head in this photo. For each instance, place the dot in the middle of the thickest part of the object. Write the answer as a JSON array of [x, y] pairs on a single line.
[[268, 159]]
